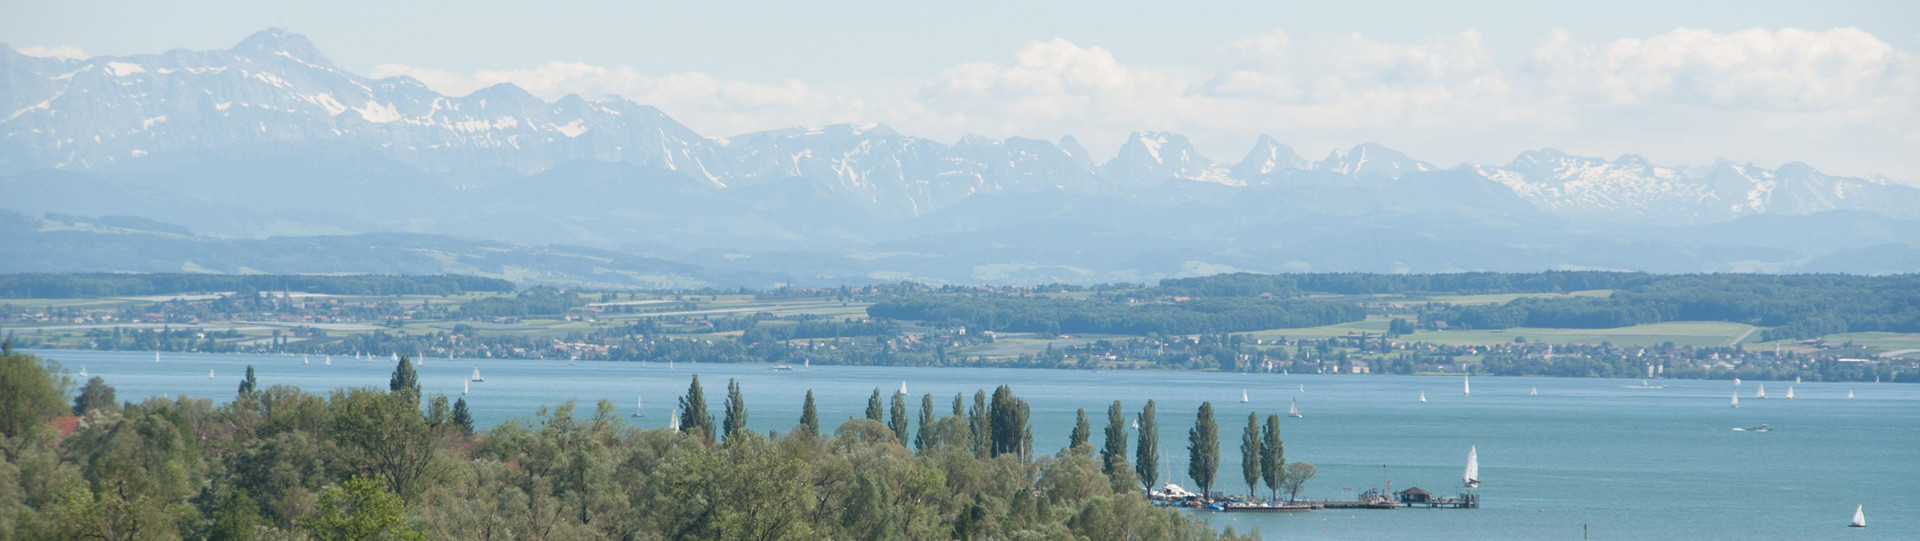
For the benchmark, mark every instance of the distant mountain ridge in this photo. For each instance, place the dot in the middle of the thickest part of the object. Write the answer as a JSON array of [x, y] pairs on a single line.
[[275, 87]]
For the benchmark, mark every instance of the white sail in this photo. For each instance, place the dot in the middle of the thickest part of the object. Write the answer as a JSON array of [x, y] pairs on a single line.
[[1466, 386], [1303, 387], [396, 356], [1736, 400], [1472, 475], [209, 374], [1789, 393], [1859, 517], [806, 363], [903, 388], [156, 356], [1534, 392], [1736, 382], [1849, 394], [466, 386], [476, 375], [1243, 396], [1796, 379], [329, 361], [1423, 397], [305, 360], [673, 421], [1293, 410], [1762, 393]]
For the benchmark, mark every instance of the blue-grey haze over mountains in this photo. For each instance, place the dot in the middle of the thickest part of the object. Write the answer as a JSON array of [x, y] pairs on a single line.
[[267, 157]]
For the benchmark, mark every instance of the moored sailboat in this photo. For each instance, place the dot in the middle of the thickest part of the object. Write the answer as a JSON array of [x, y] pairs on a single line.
[[1472, 475]]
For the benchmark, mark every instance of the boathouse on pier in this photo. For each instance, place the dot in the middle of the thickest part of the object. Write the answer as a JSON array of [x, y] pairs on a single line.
[[1415, 495]]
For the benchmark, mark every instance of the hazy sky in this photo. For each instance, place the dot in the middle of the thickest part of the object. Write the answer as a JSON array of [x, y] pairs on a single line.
[[1835, 84]]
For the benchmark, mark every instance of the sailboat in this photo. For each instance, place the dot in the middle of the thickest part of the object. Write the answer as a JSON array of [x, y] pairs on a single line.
[[329, 361], [1796, 379], [1859, 517], [1243, 396], [903, 388], [1762, 393], [209, 374], [1789, 393], [1303, 387], [466, 386], [1533, 392], [1472, 475], [1136, 424], [476, 376], [1736, 382], [1736, 400], [396, 356], [1423, 397], [673, 422], [305, 360], [156, 356], [1293, 410], [83, 372], [1849, 394], [808, 363], [638, 409], [1466, 386]]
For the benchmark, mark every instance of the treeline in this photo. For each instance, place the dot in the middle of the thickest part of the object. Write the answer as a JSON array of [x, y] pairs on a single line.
[[536, 301], [1795, 306], [278, 463], [1055, 316], [54, 286], [1359, 283]]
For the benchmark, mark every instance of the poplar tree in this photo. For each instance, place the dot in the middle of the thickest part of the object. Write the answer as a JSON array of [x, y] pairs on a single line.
[[874, 412], [1113, 457], [1203, 449], [1147, 454], [1273, 456], [693, 412], [1250, 453], [925, 439], [405, 383], [809, 419], [736, 412], [249, 384], [1081, 430], [897, 418], [978, 425], [462, 418]]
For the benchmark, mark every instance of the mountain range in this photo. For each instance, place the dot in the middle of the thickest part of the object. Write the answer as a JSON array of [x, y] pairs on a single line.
[[270, 140]]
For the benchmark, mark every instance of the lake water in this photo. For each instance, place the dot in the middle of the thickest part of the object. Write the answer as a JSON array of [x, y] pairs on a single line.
[[1623, 461]]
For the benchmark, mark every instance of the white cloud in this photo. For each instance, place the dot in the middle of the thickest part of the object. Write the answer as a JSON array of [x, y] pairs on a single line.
[[1840, 99], [57, 51]]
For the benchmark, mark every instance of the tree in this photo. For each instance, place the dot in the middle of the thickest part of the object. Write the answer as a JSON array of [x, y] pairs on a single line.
[[361, 509], [1008, 423], [875, 412], [1203, 449], [809, 419], [1297, 475], [1113, 456], [385, 437], [439, 412], [96, 395], [979, 425], [926, 439], [897, 418], [1147, 455], [248, 385], [462, 418], [1250, 453], [30, 394], [405, 383], [736, 412], [694, 418], [1273, 456], [1081, 430]]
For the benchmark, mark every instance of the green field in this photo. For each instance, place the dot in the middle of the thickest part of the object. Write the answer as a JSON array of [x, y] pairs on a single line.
[[1373, 324], [1687, 333], [1509, 297]]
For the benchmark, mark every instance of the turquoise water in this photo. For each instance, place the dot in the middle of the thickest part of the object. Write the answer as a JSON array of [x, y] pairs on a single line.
[[1624, 461]]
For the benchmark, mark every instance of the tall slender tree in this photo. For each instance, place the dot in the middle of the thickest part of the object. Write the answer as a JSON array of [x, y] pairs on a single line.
[[1273, 456], [1203, 449], [736, 412], [404, 384], [249, 384], [809, 419], [924, 440], [1081, 431], [1147, 454], [978, 425], [1250, 453], [874, 411], [897, 418], [1113, 456], [462, 418], [1008, 423], [694, 418]]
